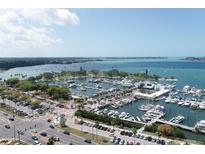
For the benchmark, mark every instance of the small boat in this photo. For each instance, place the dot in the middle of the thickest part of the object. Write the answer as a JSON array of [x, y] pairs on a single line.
[[72, 86], [202, 106], [178, 119], [98, 86], [180, 103], [167, 100], [70, 81], [187, 103], [194, 105], [200, 126], [145, 107]]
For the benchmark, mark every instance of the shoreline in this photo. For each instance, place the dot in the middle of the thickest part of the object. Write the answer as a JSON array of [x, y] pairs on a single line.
[[2, 70]]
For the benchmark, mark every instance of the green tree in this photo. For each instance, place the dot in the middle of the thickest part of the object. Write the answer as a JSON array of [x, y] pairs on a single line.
[[134, 131], [58, 92], [12, 81], [35, 103], [51, 141], [96, 126]]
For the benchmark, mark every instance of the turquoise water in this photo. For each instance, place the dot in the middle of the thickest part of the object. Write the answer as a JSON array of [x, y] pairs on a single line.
[[187, 73]]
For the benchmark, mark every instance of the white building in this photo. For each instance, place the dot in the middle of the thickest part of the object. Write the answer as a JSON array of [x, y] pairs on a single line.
[[61, 120]]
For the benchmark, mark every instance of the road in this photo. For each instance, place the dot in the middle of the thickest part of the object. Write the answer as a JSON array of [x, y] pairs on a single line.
[[40, 125]]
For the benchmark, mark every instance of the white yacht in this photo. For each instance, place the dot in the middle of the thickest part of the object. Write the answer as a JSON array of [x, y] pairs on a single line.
[[168, 100], [180, 103], [70, 81], [194, 105], [200, 125], [187, 103], [178, 119], [186, 89], [202, 106], [72, 86]]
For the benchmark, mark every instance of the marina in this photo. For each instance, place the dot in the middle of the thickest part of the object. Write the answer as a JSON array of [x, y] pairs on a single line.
[[114, 93]]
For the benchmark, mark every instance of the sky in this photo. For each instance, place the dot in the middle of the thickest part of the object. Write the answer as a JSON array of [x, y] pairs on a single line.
[[102, 32]]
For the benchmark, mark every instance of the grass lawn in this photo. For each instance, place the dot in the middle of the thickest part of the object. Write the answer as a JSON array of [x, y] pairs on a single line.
[[86, 135], [9, 112], [7, 142]]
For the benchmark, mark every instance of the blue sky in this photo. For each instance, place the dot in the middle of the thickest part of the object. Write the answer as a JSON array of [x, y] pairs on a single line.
[[102, 32]]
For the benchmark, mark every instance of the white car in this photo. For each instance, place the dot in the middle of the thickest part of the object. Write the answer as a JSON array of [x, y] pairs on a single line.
[[112, 135], [36, 142]]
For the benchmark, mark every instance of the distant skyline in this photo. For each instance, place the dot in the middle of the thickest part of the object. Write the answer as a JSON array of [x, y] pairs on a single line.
[[102, 32]]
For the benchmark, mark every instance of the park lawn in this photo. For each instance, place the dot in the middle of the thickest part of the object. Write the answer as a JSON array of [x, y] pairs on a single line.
[[96, 138]]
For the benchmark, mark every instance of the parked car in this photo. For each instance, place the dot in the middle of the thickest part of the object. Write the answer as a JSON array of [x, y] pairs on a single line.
[[117, 141], [130, 143], [36, 142], [158, 141], [5, 114], [109, 129], [7, 126], [154, 139], [51, 126], [113, 130], [138, 136], [34, 137], [66, 132], [111, 135], [57, 139], [43, 134], [130, 134], [122, 142], [163, 142], [114, 138], [141, 137], [11, 119], [87, 141], [122, 133], [149, 138]]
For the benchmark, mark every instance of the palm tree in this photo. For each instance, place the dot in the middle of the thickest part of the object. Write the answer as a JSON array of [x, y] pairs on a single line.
[[113, 122], [81, 123], [96, 125], [134, 130]]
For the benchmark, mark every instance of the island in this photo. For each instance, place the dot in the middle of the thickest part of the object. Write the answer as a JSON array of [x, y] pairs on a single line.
[[8, 63], [200, 59]]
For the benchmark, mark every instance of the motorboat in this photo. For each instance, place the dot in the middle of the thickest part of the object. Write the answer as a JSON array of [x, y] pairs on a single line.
[[200, 126], [178, 119], [180, 103], [187, 103]]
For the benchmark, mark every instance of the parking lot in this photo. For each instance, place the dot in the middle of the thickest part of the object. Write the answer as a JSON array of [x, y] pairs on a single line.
[[120, 136]]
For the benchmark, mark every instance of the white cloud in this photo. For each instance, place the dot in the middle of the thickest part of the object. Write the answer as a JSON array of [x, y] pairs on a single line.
[[33, 27], [51, 16]]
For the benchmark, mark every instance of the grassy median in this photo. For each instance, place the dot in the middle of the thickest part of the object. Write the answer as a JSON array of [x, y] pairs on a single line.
[[96, 138]]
